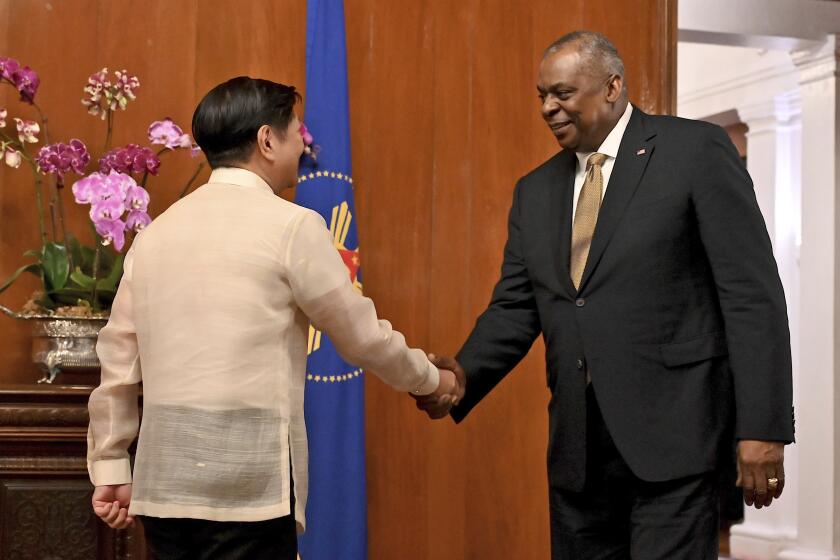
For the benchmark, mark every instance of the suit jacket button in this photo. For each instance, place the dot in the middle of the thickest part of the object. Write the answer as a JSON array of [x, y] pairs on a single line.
[[580, 364], [580, 302]]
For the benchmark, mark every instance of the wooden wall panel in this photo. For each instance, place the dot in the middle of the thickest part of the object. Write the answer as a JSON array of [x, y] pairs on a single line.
[[447, 91], [444, 120]]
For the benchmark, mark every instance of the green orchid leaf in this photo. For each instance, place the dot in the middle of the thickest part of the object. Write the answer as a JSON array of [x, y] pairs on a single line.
[[65, 299], [110, 282], [81, 279], [106, 297], [88, 255], [86, 260], [46, 302], [56, 266], [75, 249], [70, 296], [34, 268], [106, 260]]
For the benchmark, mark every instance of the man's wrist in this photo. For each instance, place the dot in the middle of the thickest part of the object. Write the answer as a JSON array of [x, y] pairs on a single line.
[[110, 472]]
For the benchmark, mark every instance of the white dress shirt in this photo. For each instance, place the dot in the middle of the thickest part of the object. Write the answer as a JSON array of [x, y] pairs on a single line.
[[609, 147], [213, 316]]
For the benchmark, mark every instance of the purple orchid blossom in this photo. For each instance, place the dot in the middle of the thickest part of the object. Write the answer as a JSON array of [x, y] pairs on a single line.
[[107, 209], [61, 158], [137, 198], [110, 197], [23, 78], [111, 232], [130, 159], [137, 220], [167, 133]]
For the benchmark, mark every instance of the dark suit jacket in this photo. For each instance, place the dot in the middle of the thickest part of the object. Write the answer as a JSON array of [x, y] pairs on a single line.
[[680, 317]]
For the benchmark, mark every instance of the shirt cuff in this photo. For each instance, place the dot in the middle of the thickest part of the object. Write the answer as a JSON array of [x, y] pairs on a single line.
[[107, 472], [431, 383]]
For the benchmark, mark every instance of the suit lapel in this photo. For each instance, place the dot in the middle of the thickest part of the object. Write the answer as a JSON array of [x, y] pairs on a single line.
[[634, 153], [562, 189]]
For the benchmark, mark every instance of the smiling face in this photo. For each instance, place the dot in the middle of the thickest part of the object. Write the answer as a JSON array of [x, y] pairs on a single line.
[[581, 102]]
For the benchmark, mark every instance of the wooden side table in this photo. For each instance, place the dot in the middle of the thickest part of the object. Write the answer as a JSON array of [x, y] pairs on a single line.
[[45, 511]]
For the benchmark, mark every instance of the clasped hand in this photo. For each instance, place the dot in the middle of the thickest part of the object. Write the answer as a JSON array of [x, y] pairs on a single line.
[[450, 391], [110, 503]]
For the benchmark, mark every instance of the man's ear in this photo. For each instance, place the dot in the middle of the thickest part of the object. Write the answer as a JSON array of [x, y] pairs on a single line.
[[266, 141], [614, 87]]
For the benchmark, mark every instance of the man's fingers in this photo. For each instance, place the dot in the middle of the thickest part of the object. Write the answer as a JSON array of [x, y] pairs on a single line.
[[436, 407], [437, 415], [435, 411], [118, 522], [124, 520], [780, 474], [427, 404], [780, 488], [424, 399], [112, 513], [777, 475], [102, 510], [438, 412], [761, 493], [748, 487], [443, 362]]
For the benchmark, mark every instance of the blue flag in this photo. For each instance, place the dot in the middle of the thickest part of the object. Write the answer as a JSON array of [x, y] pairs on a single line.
[[335, 408]]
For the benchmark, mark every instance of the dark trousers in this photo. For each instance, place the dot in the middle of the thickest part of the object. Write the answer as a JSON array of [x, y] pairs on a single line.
[[199, 539], [618, 516]]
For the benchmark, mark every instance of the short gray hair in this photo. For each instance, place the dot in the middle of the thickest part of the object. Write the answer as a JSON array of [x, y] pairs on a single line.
[[595, 49]]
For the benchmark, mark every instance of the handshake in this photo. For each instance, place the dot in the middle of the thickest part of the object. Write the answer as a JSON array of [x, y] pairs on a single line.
[[450, 391]]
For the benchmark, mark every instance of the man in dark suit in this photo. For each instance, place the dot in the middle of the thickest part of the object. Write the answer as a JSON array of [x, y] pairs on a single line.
[[640, 254]]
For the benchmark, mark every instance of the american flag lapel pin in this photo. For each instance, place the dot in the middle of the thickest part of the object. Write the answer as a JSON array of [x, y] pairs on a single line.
[[641, 152]]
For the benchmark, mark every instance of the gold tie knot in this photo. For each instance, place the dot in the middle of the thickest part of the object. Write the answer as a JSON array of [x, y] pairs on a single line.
[[596, 159]]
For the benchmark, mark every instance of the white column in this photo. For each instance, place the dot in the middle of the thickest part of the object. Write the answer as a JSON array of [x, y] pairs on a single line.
[[819, 360], [773, 157]]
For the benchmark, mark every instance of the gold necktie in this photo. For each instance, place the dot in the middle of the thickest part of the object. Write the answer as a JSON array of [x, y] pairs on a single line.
[[586, 215]]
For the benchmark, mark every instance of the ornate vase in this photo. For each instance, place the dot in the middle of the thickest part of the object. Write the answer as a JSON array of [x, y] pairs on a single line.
[[62, 343]]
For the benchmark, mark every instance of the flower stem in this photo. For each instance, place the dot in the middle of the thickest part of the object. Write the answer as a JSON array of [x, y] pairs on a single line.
[[190, 182], [146, 173], [37, 177], [57, 204], [39, 196], [18, 146], [110, 130], [53, 209], [43, 119], [39, 202], [95, 274], [59, 188]]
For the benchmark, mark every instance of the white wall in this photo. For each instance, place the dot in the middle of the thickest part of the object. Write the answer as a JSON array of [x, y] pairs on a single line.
[[712, 79], [782, 81]]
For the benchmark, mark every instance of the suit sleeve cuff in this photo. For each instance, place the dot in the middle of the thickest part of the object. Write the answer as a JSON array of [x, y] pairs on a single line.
[[107, 472], [431, 383]]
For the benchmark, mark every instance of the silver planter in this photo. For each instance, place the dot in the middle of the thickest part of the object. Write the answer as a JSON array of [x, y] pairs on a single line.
[[62, 343]]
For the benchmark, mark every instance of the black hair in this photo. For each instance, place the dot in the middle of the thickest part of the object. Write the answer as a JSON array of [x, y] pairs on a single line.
[[226, 122]]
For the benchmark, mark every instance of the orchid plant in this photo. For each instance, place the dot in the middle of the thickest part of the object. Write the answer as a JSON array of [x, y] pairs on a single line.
[[79, 279]]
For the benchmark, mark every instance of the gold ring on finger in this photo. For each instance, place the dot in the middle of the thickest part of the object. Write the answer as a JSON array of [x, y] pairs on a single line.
[[772, 483]]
